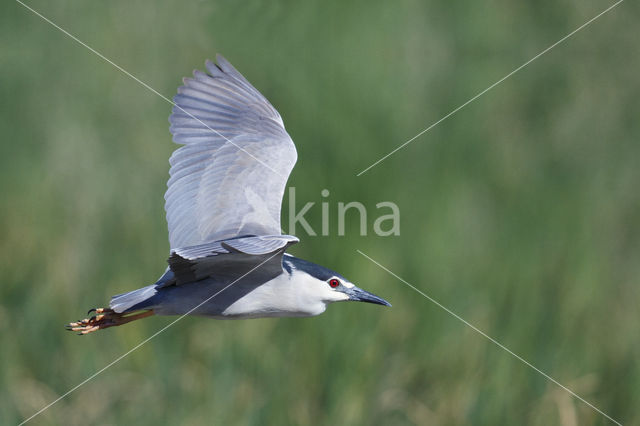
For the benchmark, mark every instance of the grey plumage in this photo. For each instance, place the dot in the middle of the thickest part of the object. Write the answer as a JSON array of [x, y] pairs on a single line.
[[229, 177], [223, 212]]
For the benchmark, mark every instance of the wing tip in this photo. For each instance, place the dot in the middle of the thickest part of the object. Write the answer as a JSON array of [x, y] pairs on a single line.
[[214, 69]]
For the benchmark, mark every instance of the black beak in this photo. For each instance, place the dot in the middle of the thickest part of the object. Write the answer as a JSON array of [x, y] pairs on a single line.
[[359, 295]]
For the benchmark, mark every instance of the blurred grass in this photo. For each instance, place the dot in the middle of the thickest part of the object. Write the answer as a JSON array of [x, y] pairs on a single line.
[[521, 212]]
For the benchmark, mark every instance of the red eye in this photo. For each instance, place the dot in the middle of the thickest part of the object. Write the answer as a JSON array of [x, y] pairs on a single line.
[[334, 283]]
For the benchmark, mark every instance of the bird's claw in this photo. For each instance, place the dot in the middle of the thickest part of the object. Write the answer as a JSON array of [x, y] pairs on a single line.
[[100, 311], [105, 318]]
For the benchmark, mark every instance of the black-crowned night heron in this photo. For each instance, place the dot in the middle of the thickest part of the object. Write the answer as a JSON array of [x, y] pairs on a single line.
[[223, 209]]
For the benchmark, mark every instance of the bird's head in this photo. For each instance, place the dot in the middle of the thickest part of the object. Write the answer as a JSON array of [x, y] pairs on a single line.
[[317, 286]]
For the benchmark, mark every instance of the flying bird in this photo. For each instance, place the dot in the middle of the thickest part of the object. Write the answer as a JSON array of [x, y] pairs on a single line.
[[227, 257]]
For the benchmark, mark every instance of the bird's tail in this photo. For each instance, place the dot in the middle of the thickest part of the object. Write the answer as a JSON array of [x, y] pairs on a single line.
[[133, 300]]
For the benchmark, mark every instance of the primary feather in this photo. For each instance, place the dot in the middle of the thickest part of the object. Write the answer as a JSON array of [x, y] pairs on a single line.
[[229, 177]]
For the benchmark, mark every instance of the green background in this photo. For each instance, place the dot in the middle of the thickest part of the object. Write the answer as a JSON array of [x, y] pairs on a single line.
[[520, 213]]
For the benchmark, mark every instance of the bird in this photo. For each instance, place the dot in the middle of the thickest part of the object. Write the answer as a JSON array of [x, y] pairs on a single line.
[[228, 255]]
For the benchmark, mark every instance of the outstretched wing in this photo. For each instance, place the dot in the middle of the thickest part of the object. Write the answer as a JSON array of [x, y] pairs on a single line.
[[229, 177]]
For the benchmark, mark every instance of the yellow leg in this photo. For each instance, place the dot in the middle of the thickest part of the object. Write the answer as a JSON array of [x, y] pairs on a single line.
[[105, 318]]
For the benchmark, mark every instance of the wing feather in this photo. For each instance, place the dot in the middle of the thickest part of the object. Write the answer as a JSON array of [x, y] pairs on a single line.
[[229, 177], [228, 257]]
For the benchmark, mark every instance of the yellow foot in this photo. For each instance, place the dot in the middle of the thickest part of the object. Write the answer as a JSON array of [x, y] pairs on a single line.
[[104, 318]]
